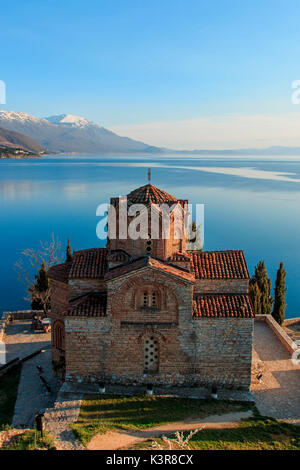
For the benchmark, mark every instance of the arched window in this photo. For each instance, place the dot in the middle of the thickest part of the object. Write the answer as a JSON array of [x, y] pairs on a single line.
[[59, 335], [150, 298], [151, 355]]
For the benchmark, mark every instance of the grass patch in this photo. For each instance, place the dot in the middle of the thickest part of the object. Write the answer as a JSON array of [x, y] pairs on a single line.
[[100, 413], [8, 394], [252, 434], [30, 440]]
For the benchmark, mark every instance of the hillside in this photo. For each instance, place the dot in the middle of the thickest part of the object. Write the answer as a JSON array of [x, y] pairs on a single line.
[[10, 139], [71, 134]]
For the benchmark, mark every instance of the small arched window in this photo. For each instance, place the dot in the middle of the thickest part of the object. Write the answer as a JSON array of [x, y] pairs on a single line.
[[59, 335], [150, 298], [151, 355]]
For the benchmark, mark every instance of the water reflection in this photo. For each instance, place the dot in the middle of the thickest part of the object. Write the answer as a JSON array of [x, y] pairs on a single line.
[[250, 203]]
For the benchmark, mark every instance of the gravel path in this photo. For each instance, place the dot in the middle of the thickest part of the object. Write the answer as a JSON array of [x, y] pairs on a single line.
[[114, 440], [277, 394]]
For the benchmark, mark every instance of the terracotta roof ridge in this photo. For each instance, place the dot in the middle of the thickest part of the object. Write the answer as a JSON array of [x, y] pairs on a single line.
[[180, 268], [65, 263], [212, 294], [86, 295], [85, 250], [129, 262], [60, 271], [148, 261]]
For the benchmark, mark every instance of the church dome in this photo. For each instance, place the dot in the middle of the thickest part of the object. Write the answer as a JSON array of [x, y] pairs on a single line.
[[150, 194]]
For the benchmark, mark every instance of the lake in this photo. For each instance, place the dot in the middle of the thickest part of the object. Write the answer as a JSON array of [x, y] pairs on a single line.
[[251, 203]]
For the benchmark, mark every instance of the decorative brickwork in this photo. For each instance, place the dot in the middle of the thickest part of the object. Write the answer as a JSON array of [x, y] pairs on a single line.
[[128, 315]]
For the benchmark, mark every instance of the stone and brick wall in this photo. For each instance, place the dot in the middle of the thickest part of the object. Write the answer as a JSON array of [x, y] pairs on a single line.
[[161, 247], [223, 286], [199, 351], [59, 303]]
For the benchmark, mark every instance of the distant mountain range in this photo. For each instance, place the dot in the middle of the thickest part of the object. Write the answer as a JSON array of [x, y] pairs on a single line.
[[71, 134], [269, 151], [66, 133]]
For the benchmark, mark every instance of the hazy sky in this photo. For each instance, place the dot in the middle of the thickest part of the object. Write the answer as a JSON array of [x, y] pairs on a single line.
[[182, 74]]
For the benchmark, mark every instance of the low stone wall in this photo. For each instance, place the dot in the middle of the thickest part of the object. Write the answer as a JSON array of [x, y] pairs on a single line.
[[284, 338], [17, 315], [3, 322], [291, 321], [24, 314]]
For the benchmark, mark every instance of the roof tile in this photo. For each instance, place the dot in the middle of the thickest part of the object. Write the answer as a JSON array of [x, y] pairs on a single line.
[[90, 305], [229, 264], [60, 272], [223, 305], [90, 263], [150, 194]]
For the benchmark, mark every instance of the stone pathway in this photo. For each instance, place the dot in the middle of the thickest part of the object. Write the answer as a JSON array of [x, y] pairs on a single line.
[[278, 393], [117, 440], [32, 394], [20, 340], [58, 420]]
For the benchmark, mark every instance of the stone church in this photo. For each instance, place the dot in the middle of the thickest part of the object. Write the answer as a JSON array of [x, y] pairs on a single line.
[[149, 311]]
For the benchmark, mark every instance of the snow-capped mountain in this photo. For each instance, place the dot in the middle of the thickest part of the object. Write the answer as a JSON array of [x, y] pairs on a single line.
[[70, 120], [14, 116], [67, 133]]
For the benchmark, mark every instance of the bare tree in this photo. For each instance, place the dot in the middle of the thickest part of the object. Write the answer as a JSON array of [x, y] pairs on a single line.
[[38, 260]]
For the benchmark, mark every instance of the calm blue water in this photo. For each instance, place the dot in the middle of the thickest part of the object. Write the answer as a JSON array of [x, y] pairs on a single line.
[[255, 211]]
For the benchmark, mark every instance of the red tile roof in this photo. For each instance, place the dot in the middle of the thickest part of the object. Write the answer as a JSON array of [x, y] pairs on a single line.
[[90, 263], [148, 261], [149, 194], [60, 272], [229, 264], [222, 305], [90, 305]]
